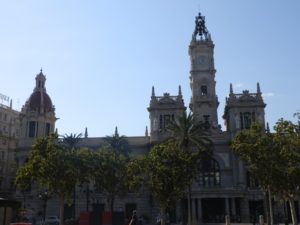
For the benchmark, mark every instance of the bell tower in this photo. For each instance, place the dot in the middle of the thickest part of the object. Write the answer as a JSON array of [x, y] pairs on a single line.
[[204, 101]]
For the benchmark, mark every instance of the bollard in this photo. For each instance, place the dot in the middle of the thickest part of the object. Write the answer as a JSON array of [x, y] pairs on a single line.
[[227, 220], [261, 220]]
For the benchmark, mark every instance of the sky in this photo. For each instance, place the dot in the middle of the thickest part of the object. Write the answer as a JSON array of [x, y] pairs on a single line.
[[102, 57]]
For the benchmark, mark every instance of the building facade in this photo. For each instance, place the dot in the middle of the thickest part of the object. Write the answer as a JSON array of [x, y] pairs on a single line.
[[222, 188]]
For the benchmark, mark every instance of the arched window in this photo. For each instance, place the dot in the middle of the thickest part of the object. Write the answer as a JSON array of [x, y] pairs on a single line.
[[210, 173]]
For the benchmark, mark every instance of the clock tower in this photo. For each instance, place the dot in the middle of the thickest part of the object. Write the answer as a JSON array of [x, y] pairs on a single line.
[[204, 101]]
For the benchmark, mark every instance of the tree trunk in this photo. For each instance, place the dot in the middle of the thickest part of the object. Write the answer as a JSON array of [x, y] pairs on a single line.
[[293, 211], [271, 207], [267, 208], [189, 205], [162, 216], [62, 210], [112, 200]]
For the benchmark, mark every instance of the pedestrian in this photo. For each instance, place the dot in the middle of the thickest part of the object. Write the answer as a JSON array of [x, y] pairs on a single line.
[[133, 220]]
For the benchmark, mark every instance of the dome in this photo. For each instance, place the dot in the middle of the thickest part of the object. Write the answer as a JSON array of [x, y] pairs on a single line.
[[40, 100]]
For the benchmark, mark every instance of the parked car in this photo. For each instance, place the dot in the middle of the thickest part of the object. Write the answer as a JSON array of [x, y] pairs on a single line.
[[52, 220]]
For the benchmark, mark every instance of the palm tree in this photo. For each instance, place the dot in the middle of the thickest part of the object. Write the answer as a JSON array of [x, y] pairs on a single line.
[[118, 143], [71, 141], [192, 136], [189, 133]]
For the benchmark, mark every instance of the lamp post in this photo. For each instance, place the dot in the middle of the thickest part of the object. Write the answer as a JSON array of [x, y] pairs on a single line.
[[44, 196]]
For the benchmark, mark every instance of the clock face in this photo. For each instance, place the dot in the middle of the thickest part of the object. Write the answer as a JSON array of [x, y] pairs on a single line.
[[202, 60]]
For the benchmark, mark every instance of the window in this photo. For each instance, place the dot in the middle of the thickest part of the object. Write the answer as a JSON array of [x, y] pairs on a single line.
[[164, 120], [47, 131], [246, 119], [206, 118], [32, 129], [210, 173], [204, 90]]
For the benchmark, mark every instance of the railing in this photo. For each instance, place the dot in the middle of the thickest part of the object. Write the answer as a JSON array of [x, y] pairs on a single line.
[[254, 95], [158, 98]]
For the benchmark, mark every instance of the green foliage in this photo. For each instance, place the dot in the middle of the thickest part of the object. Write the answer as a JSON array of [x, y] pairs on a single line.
[[118, 143], [135, 173], [110, 173], [71, 141], [23, 179], [273, 159], [85, 162], [54, 168], [287, 142], [189, 133], [166, 168], [49, 166], [191, 136]]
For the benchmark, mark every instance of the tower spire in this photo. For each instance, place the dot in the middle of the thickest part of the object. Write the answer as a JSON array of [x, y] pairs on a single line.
[[268, 128], [258, 88], [86, 133], [153, 92], [116, 132], [231, 89], [179, 91]]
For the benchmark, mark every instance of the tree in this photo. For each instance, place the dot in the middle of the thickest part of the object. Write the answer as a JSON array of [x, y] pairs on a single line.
[[71, 141], [51, 167], [192, 136], [254, 146], [118, 143], [287, 143], [166, 168], [273, 159], [110, 174], [188, 132], [24, 183]]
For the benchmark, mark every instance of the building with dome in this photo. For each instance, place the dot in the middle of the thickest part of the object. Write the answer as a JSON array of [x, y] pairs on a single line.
[[223, 187], [37, 117]]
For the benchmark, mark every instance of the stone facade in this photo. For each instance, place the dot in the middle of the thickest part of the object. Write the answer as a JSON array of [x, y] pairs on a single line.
[[9, 137], [223, 187]]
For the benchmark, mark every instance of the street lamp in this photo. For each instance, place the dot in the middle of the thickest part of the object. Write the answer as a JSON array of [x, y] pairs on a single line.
[[44, 196]]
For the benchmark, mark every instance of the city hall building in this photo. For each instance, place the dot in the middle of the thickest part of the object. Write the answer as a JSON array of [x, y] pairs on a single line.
[[222, 188]]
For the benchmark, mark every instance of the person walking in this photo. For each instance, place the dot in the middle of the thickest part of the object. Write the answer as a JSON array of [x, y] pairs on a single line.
[[133, 220]]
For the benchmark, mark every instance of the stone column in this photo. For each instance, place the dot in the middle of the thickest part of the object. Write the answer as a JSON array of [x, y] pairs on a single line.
[[194, 219], [245, 212], [227, 209], [199, 211], [233, 209]]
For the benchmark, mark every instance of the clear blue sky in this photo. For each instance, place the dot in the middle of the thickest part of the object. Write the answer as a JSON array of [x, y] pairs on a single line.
[[102, 57]]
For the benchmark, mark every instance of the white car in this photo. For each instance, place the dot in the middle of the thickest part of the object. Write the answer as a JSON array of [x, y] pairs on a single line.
[[52, 220]]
